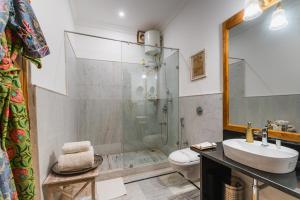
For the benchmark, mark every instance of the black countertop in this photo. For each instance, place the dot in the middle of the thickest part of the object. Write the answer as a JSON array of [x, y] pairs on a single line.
[[288, 183]]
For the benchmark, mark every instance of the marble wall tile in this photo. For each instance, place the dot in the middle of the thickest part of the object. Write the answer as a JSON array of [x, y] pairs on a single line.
[[208, 126], [96, 72], [55, 126], [109, 91], [101, 121], [237, 72], [109, 148], [259, 109], [100, 104]]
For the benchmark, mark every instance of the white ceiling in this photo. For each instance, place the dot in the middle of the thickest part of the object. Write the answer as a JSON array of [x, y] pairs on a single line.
[[140, 14]]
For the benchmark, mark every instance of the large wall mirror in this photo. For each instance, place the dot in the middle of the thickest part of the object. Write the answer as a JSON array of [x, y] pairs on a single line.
[[262, 72]]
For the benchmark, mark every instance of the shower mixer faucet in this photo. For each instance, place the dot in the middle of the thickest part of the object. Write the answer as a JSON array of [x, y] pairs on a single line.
[[165, 108]]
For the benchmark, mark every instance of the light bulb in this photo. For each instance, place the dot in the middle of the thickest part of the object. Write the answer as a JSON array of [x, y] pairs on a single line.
[[144, 76], [121, 14], [279, 19], [252, 10]]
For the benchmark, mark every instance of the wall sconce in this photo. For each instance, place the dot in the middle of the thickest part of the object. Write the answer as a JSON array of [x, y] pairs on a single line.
[[252, 10], [279, 19]]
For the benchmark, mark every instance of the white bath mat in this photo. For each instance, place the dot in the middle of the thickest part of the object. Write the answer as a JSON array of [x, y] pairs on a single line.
[[111, 189]]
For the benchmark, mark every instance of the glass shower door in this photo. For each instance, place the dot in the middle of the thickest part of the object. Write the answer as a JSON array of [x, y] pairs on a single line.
[[150, 110], [169, 95], [139, 118]]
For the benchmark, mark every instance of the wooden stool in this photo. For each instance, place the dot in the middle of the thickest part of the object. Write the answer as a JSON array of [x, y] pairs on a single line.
[[55, 183]]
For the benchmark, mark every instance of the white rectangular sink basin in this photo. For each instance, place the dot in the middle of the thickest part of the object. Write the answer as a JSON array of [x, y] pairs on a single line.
[[266, 158]]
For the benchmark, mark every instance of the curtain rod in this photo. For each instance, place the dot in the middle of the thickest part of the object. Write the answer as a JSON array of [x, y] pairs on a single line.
[[122, 41]]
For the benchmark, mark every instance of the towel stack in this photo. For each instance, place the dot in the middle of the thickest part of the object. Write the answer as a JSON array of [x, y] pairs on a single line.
[[76, 156], [205, 146]]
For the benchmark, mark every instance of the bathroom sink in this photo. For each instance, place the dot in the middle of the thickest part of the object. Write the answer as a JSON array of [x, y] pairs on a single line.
[[266, 158]]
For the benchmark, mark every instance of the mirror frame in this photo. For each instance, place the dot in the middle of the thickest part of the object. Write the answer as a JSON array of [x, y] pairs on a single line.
[[227, 25]]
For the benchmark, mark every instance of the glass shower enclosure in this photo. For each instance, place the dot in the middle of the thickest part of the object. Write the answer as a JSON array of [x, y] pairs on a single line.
[[127, 98]]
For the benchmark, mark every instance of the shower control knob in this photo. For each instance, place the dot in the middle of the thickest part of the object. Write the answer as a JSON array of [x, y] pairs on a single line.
[[199, 110]]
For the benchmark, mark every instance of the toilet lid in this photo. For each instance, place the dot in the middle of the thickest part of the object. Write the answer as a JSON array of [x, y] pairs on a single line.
[[184, 156]]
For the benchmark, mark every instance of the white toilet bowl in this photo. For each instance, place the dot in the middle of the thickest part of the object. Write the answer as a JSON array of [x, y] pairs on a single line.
[[186, 162]]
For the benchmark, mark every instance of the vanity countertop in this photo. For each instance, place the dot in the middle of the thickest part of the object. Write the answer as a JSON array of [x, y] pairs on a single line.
[[288, 183]]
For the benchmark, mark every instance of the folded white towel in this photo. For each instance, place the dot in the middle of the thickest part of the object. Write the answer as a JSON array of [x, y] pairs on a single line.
[[205, 145], [76, 147], [76, 161]]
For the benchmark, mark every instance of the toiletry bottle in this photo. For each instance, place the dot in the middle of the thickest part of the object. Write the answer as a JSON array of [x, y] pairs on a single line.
[[249, 133], [269, 125]]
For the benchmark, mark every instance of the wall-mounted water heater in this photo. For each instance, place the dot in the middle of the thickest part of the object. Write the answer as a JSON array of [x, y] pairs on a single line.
[[152, 42]]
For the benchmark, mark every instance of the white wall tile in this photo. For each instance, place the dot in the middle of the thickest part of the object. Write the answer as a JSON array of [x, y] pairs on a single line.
[[208, 126]]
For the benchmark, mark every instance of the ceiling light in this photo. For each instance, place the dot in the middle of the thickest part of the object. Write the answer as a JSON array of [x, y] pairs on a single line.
[[121, 14], [144, 76], [279, 19], [252, 10]]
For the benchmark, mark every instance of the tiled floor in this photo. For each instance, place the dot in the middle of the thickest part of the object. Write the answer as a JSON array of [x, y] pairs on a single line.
[[166, 187], [162, 187], [132, 159], [139, 187]]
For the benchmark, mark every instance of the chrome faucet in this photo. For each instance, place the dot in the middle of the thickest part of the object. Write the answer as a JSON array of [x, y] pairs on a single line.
[[265, 133], [264, 137]]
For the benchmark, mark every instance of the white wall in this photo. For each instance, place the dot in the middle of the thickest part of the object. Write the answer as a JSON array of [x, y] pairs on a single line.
[[54, 20], [54, 17], [198, 27], [108, 32], [101, 49], [108, 50]]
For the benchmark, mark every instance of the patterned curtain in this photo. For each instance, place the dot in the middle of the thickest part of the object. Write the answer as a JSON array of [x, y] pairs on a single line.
[[14, 120], [20, 33]]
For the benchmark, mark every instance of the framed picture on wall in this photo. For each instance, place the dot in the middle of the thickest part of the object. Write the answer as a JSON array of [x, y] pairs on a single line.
[[198, 66], [141, 37]]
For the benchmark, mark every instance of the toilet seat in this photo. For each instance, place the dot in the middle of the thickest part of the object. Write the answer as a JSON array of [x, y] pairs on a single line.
[[184, 157]]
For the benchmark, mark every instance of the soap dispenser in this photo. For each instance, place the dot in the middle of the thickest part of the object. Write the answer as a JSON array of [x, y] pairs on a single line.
[[249, 133]]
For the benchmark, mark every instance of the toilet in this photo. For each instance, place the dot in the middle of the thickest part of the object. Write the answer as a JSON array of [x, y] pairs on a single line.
[[186, 162]]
